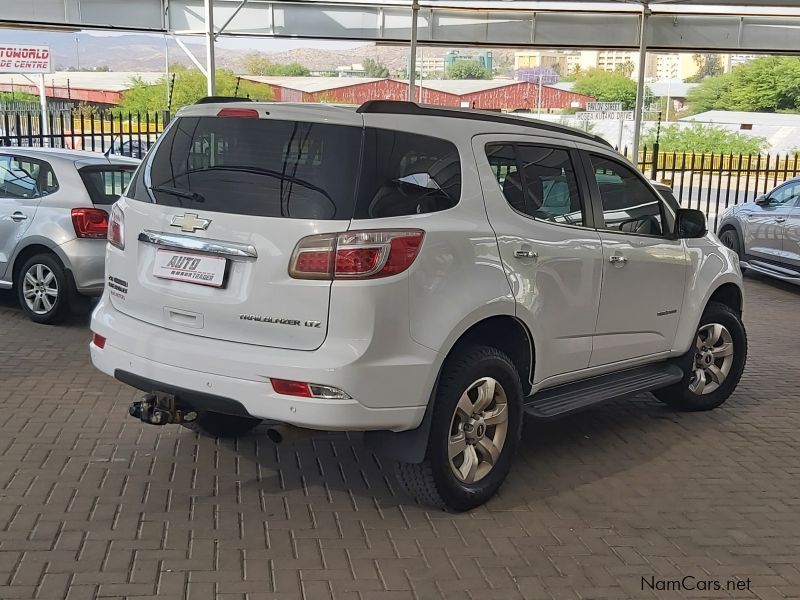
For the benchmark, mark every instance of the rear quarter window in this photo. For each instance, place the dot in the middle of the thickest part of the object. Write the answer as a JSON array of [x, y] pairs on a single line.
[[105, 184]]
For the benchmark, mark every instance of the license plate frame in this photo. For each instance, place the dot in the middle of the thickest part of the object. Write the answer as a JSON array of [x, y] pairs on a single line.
[[188, 267]]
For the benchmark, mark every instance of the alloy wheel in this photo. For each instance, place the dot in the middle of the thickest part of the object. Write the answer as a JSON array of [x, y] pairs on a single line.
[[40, 289], [478, 430], [712, 360]]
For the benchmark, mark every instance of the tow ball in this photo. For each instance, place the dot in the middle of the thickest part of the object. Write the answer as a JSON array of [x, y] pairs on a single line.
[[160, 409]]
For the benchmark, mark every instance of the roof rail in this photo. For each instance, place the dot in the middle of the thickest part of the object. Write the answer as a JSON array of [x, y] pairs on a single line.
[[221, 99], [401, 107]]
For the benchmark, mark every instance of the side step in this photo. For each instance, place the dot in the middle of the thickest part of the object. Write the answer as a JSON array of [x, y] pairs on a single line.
[[571, 397]]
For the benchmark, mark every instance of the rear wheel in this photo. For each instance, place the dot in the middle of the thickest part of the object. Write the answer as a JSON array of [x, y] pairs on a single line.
[[42, 289], [475, 429], [714, 363], [225, 426]]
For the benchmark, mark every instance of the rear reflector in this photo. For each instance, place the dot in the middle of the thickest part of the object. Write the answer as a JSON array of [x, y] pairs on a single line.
[[364, 254], [99, 341], [241, 113], [90, 223], [307, 390]]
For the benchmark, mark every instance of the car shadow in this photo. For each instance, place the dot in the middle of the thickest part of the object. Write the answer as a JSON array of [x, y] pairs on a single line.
[[553, 458]]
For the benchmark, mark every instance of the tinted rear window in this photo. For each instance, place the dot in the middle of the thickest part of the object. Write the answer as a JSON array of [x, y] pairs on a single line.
[[271, 168], [256, 167], [106, 184]]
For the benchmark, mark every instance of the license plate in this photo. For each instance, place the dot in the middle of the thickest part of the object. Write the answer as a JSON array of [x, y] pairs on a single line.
[[191, 268]]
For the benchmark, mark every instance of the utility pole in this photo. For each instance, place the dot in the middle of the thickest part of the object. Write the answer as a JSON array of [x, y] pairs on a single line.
[[78, 53], [210, 57]]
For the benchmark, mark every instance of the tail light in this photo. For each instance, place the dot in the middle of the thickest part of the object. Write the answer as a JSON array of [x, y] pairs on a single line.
[[116, 227], [368, 254], [307, 390], [90, 223]]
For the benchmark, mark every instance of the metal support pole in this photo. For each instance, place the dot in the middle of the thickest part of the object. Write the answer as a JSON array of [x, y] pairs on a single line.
[[211, 68], [639, 113], [412, 58], [43, 104]]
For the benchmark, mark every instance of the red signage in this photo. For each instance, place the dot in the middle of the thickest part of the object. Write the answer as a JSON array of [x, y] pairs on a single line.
[[22, 58]]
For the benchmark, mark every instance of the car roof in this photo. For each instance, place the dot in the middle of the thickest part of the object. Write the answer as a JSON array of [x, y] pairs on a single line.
[[67, 155]]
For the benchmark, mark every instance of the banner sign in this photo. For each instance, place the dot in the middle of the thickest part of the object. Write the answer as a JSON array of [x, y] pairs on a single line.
[[23, 58], [603, 106]]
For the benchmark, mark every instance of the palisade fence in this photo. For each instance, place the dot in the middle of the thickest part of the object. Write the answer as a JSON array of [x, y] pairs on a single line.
[[127, 135], [708, 182]]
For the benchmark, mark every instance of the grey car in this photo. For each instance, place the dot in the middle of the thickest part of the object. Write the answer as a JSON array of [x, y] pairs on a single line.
[[766, 233], [53, 222]]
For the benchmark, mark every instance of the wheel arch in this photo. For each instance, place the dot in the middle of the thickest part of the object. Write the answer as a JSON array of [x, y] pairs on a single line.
[[25, 253], [729, 294], [504, 332]]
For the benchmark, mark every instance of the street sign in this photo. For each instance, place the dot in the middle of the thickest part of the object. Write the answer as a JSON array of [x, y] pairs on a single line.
[[603, 106], [24, 58], [607, 115]]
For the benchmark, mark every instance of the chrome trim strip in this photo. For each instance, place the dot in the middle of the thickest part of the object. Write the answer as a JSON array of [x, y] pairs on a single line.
[[195, 244], [5, 285]]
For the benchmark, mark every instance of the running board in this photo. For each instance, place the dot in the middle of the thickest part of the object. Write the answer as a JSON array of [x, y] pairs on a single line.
[[571, 397], [771, 270]]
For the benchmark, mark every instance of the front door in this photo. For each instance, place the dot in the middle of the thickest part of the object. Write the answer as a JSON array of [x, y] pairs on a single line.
[[764, 223], [644, 270], [537, 206], [791, 239]]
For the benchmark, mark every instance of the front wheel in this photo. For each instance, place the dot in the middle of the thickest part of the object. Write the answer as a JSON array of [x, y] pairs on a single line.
[[714, 363], [475, 428]]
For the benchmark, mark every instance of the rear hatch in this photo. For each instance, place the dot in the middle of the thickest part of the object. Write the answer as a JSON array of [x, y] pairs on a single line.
[[213, 215]]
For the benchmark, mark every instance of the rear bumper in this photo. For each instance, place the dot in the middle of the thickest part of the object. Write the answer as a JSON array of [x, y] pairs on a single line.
[[384, 396], [86, 260]]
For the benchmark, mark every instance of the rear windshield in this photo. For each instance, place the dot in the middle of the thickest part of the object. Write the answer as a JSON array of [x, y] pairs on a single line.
[[106, 184], [271, 168]]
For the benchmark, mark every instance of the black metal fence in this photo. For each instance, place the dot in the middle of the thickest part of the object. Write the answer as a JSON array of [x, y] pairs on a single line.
[[127, 135]]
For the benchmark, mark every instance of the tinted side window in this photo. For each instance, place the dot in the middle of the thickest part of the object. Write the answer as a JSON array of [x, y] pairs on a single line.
[[22, 177], [258, 167], [406, 174], [629, 205], [785, 196], [538, 181], [106, 184]]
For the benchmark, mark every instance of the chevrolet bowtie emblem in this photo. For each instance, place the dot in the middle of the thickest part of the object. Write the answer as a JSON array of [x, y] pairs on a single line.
[[190, 222]]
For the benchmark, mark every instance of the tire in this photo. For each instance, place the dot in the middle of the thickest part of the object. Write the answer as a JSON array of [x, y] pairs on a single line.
[[730, 238], [225, 426], [694, 393], [43, 289], [466, 382]]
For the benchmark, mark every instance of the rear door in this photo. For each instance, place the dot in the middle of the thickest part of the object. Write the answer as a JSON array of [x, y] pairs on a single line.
[[214, 214], [764, 224], [539, 211]]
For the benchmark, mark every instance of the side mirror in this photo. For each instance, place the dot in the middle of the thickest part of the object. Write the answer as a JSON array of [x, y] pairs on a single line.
[[690, 223], [762, 200]]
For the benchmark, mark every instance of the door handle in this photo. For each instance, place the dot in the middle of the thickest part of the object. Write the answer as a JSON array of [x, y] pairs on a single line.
[[780, 219], [525, 254], [18, 216], [617, 260]]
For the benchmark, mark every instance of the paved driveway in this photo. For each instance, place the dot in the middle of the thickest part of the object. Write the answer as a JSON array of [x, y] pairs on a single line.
[[606, 504]]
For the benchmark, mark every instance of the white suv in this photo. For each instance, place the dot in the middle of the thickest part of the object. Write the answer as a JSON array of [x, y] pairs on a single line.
[[425, 275]]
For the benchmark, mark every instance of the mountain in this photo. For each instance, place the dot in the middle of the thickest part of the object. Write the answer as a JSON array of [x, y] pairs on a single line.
[[143, 52]]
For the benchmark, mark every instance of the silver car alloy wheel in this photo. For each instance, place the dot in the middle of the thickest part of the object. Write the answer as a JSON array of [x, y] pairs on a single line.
[[713, 358], [478, 430], [40, 289]]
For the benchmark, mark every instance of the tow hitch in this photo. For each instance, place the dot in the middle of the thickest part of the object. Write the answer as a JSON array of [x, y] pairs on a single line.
[[160, 409]]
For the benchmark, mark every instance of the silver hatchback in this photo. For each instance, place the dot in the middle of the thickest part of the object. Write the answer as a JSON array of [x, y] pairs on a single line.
[[53, 221]]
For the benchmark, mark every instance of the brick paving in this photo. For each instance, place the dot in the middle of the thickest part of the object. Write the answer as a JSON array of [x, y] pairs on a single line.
[[95, 505]]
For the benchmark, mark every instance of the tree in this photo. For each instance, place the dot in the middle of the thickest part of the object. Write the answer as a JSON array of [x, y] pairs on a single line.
[[546, 75], [468, 69], [258, 64], [699, 138], [18, 97], [767, 84], [708, 65], [607, 87], [190, 86], [627, 68], [375, 69]]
